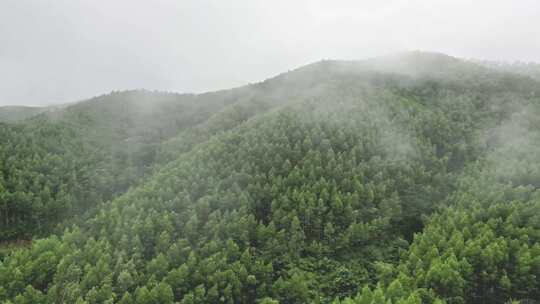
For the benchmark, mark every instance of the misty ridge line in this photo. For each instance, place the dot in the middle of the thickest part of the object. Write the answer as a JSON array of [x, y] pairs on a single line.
[[303, 84], [411, 63]]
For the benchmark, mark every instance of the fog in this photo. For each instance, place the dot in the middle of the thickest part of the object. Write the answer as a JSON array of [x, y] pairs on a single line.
[[61, 51]]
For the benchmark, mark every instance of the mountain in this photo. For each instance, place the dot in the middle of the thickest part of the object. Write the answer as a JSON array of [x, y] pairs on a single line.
[[530, 69], [16, 113], [410, 178]]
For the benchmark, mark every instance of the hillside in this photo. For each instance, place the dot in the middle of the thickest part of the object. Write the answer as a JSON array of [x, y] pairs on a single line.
[[17, 113], [411, 178], [530, 69]]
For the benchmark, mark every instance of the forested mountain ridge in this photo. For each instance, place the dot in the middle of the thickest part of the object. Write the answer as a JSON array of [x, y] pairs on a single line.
[[530, 69], [405, 179], [16, 113]]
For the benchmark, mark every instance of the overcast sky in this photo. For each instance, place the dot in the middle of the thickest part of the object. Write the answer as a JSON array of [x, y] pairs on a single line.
[[59, 51]]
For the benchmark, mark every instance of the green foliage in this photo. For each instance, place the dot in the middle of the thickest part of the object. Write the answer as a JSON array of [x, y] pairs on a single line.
[[335, 183]]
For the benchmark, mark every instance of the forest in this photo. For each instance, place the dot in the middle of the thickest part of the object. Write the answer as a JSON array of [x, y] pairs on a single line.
[[405, 179]]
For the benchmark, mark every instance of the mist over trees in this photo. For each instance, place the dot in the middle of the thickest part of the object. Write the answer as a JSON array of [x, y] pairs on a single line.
[[404, 179]]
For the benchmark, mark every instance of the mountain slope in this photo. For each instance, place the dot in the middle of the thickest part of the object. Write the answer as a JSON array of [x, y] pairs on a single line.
[[307, 187], [17, 113], [530, 69]]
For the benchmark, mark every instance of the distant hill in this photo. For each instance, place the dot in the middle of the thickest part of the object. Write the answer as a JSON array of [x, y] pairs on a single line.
[[16, 113]]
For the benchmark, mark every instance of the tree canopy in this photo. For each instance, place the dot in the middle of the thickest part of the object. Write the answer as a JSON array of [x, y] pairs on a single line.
[[339, 182]]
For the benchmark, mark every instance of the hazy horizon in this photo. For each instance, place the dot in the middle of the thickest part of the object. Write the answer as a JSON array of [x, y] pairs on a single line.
[[66, 51]]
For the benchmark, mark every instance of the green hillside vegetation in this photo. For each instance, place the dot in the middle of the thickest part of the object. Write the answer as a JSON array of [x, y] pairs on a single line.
[[407, 179], [17, 113], [531, 69]]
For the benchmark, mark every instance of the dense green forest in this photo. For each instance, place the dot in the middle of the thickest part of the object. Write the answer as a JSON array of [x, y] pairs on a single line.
[[406, 179]]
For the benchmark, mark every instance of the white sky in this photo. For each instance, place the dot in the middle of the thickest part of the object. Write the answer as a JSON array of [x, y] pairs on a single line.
[[59, 51]]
